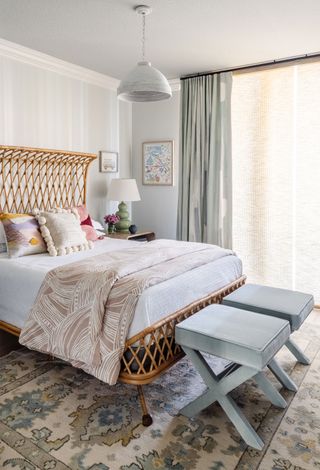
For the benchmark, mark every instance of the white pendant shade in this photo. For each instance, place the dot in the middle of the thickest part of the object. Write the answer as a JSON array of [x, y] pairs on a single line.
[[144, 83]]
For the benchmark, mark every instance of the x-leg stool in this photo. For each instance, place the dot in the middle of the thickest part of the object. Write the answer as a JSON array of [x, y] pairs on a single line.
[[219, 388], [250, 341]]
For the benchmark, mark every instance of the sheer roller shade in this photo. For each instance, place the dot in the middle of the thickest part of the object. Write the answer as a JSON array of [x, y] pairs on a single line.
[[276, 175]]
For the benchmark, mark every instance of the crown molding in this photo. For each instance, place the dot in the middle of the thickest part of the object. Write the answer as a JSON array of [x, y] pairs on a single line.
[[29, 56], [175, 84], [23, 54]]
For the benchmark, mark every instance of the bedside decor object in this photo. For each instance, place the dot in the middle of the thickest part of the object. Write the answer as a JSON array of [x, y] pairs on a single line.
[[157, 163], [133, 229], [108, 162], [123, 189], [144, 82], [111, 220]]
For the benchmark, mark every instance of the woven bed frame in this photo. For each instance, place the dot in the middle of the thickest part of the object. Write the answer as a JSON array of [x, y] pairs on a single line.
[[41, 178]]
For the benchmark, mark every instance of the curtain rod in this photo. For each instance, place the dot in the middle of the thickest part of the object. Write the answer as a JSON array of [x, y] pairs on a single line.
[[257, 65]]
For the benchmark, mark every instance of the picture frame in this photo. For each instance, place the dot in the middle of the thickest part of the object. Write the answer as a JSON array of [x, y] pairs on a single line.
[[108, 161], [157, 163]]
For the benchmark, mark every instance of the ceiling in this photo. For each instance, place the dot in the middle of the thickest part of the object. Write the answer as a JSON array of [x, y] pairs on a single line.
[[183, 36]]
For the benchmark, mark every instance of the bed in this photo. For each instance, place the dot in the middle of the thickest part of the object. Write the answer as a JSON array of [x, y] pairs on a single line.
[[41, 178]]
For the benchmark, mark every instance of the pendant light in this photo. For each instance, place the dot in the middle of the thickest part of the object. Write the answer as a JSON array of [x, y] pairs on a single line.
[[144, 82]]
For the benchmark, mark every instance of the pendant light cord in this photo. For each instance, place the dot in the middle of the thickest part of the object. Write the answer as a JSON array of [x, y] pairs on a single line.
[[143, 48]]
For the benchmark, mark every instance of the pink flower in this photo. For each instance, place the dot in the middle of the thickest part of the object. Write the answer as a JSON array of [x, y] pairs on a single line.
[[111, 219]]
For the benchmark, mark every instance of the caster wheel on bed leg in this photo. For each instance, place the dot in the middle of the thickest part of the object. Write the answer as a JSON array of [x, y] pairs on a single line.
[[147, 420]]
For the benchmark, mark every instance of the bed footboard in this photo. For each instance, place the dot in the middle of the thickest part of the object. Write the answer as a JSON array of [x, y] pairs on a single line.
[[154, 350]]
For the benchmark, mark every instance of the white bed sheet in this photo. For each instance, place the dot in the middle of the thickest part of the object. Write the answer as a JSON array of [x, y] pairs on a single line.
[[21, 278]]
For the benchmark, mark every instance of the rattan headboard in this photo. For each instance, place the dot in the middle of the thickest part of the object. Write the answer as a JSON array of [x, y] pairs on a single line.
[[40, 178]]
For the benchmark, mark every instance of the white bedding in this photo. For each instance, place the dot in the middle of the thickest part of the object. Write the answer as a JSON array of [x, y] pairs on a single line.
[[21, 278]]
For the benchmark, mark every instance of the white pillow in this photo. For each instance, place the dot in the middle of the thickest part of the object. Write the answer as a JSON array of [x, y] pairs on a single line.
[[97, 225], [62, 231], [3, 240]]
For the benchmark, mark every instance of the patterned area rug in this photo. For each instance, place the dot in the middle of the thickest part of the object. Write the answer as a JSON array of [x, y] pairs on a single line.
[[53, 416]]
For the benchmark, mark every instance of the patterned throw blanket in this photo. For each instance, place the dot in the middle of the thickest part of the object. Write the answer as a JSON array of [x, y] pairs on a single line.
[[83, 310]]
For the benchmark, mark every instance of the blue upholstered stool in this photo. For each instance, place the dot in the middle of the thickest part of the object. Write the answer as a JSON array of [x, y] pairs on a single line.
[[249, 340], [281, 303]]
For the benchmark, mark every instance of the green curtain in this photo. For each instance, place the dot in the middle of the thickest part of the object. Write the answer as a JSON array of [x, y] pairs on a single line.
[[205, 177]]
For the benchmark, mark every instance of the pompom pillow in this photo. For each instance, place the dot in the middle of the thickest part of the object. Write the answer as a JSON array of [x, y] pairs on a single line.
[[22, 235], [86, 223], [62, 232]]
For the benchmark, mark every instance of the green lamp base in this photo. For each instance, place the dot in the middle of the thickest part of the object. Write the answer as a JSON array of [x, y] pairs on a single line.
[[124, 222]]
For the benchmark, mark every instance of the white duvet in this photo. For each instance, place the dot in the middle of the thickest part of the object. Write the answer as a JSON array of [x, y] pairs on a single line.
[[21, 278]]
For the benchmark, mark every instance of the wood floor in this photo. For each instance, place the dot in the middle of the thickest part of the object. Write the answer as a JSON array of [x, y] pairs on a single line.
[[8, 343]]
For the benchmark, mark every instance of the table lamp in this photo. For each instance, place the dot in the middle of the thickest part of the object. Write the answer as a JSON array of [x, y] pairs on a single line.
[[123, 189]]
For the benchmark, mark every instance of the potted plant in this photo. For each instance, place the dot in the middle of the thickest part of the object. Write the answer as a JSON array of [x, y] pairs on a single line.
[[111, 220]]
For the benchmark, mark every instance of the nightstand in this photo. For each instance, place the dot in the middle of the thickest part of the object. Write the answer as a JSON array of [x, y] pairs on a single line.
[[139, 236]]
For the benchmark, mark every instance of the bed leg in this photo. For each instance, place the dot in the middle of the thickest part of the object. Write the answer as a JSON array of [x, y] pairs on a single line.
[[146, 418]]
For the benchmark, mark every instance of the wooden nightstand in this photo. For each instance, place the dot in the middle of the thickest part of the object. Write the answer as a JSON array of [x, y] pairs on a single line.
[[139, 236]]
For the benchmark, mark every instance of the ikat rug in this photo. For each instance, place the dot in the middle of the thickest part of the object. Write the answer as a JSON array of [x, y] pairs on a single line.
[[55, 417]]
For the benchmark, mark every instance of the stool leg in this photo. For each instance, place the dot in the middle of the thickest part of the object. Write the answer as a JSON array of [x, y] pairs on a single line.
[[217, 391], [282, 376], [199, 404], [229, 382], [241, 423], [296, 351], [270, 391]]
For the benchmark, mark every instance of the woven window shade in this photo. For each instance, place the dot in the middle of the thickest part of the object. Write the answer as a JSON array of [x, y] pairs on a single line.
[[276, 174]]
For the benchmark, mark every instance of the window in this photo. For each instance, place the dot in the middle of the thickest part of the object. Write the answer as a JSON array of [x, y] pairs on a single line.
[[276, 175]]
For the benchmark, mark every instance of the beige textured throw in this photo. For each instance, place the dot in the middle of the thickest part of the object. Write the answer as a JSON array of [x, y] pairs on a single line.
[[83, 310]]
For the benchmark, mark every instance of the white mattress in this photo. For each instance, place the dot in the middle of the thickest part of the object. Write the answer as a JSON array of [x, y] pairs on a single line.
[[21, 278]]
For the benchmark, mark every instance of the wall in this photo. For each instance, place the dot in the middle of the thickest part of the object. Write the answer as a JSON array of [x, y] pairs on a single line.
[[157, 209], [40, 107]]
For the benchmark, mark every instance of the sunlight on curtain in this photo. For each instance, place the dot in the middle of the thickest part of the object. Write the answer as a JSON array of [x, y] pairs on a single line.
[[276, 175]]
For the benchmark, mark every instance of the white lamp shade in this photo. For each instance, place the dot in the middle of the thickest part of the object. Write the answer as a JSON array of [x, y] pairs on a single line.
[[144, 83], [123, 189]]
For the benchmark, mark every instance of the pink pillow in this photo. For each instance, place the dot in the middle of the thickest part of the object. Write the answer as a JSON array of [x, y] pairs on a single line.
[[86, 224]]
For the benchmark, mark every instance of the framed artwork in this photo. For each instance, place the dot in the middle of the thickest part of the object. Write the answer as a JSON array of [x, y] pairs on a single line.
[[108, 162], [157, 163]]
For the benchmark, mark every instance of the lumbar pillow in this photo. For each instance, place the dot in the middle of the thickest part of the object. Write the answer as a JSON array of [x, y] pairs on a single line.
[[62, 232], [22, 234], [86, 223]]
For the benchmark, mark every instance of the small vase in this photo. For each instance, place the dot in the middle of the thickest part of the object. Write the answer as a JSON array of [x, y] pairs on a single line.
[[111, 228]]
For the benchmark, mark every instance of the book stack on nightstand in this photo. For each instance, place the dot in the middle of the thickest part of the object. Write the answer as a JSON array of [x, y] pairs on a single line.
[[139, 236]]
